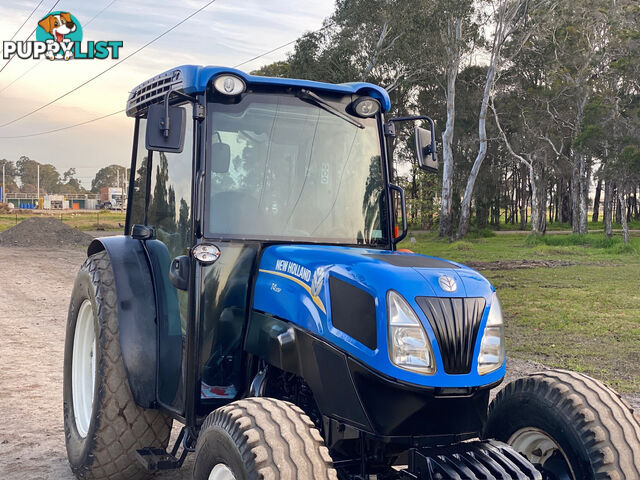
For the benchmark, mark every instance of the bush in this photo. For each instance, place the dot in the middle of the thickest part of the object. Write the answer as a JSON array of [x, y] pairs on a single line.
[[462, 245]]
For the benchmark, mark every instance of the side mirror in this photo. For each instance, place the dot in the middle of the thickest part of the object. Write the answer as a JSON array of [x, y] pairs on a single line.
[[426, 149], [165, 128]]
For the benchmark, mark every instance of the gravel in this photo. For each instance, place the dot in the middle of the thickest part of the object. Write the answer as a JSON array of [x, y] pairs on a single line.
[[44, 232]]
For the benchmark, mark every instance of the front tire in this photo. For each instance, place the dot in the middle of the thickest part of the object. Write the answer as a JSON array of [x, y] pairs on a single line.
[[569, 425], [103, 425], [261, 438]]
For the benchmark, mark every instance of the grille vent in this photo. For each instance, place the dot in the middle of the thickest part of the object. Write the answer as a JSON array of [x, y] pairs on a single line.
[[153, 90], [455, 322]]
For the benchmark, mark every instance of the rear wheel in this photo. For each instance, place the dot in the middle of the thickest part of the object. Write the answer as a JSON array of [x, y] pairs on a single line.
[[570, 426], [103, 425], [261, 438]]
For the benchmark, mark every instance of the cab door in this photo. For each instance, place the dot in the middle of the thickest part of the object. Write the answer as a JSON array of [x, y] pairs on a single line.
[[162, 198]]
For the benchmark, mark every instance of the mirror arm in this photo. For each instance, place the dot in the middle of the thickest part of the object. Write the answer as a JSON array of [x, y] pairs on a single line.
[[414, 118], [166, 127]]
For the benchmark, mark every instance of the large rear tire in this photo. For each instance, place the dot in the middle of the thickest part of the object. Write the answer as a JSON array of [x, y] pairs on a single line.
[[103, 425], [569, 425], [261, 438]]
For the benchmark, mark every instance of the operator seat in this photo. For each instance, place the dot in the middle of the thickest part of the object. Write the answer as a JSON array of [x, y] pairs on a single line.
[[231, 211]]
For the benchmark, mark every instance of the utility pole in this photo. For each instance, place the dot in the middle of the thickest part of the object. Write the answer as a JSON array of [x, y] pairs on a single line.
[[4, 189], [124, 187], [38, 199]]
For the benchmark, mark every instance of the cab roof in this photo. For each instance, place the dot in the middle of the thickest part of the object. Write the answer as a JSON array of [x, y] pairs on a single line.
[[191, 79]]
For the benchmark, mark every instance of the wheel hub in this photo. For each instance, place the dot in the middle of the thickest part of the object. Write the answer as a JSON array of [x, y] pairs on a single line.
[[83, 368], [542, 451], [221, 472]]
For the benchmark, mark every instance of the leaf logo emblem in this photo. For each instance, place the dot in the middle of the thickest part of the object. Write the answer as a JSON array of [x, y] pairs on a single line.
[[447, 283]]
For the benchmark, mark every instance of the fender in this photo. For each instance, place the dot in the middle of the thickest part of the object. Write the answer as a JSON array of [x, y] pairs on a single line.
[[136, 313]]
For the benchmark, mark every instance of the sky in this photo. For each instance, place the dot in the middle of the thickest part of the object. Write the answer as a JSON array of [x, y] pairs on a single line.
[[226, 33]]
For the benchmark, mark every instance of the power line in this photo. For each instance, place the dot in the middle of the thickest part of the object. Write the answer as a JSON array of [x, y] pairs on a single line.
[[108, 68], [41, 60], [283, 45], [120, 111], [30, 35], [26, 20], [64, 128]]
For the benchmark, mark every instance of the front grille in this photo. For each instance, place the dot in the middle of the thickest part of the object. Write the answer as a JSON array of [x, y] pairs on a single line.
[[455, 322]]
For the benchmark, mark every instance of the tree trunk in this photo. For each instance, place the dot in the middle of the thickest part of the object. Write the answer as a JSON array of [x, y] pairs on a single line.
[[625, 226], [596, 201], [608, 207], [446, 210], [523, 187], [465, 207]]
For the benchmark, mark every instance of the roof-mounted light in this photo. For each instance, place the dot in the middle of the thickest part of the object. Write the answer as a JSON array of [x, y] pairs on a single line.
[[366, 107], [229, 85]]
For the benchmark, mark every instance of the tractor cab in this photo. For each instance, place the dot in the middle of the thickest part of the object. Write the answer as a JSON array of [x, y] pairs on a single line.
[[257, 296]]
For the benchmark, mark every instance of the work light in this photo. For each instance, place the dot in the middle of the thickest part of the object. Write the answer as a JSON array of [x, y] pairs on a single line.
[[492, 354], [229, 85], [409, 347], [366, 107]]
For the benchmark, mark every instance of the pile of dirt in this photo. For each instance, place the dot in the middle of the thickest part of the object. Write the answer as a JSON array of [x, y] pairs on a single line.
[[43, 232], [5, 207]]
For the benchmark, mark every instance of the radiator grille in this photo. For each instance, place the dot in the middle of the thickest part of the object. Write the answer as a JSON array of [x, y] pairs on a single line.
[[455, 322]]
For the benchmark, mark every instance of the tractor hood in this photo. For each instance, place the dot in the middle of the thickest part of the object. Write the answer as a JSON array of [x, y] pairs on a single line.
[[339, 294]]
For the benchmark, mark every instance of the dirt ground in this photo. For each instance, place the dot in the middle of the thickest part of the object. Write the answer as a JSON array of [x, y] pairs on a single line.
[[34, 289]]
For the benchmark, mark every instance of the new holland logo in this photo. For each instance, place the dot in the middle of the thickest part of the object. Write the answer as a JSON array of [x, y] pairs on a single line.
[[447, 283], [59, 37]]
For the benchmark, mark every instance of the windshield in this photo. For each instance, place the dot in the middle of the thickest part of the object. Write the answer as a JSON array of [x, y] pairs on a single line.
[[285, 169]]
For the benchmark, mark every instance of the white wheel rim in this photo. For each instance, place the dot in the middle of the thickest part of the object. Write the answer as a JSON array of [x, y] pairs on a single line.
[[83, 368], [221, 472], [537, 446]]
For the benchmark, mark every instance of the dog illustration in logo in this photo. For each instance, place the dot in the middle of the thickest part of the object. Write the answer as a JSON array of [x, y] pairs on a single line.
[[59, 26]]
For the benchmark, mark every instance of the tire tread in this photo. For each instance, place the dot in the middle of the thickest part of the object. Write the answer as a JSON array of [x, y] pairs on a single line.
[[603, 421], [122, 426], [276, 439]]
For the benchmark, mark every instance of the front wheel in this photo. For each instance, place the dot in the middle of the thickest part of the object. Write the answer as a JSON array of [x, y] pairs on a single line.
[[570, 426], [261, 438]]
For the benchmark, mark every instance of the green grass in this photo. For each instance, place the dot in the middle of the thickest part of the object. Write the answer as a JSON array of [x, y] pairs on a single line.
[[569, 301], [98, 220]]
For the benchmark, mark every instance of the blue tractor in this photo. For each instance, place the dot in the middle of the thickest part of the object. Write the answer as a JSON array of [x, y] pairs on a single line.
[[258, 298]]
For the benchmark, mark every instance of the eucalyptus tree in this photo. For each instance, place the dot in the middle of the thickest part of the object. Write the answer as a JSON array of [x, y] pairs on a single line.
[[508, 16]]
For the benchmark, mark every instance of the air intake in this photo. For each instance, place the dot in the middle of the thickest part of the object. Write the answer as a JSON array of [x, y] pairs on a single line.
[[153, 90], [455, 322]]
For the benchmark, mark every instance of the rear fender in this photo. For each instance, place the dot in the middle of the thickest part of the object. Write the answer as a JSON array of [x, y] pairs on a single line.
[[136, 313]]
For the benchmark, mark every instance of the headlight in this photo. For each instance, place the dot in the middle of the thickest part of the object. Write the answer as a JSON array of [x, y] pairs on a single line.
[[409, 347], [491, 355], [229, 85]]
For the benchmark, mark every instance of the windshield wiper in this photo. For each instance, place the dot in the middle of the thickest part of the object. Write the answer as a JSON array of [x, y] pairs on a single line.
[[308, 96]]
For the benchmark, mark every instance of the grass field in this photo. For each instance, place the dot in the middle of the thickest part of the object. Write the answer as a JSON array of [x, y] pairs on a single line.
[[98, 220], [569, 301]]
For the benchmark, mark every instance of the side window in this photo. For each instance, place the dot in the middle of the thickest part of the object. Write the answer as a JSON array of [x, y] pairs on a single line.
[[140, 179], [170, 191], [170, 200]]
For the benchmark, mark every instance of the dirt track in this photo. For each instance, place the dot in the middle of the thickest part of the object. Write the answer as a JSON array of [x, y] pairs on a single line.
[[34, 293], [34, 289]]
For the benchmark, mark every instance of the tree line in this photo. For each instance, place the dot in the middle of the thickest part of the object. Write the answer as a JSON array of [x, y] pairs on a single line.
[[21, 176], [536, 103]]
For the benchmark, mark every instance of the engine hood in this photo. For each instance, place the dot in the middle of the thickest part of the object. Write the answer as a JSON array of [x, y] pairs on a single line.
[[310, 284]]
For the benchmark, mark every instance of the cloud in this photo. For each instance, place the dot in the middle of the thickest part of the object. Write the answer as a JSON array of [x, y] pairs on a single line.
[[226, 33]]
